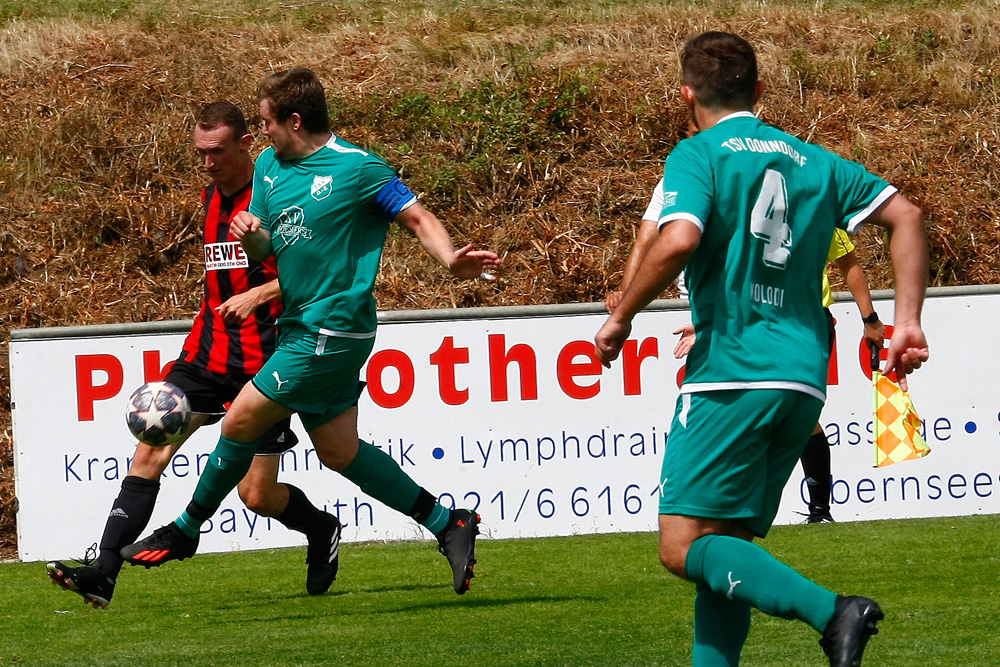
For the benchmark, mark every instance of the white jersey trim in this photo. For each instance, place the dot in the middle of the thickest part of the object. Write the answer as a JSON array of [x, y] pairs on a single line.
[[329, 333], [859, 219], [346, 334], [333, 145], [697, 387], [738, 114], [693, 219]]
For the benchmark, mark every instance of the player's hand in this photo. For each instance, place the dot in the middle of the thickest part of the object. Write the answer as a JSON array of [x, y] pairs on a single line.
[[686, 341], [238, 308], [609, 340], [469, 263], [243, 224], [907, 352], [875, 334], [612, 299], [255, 239]]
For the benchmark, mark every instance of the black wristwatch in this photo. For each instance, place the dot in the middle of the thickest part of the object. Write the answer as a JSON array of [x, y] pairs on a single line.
[[871, 319]]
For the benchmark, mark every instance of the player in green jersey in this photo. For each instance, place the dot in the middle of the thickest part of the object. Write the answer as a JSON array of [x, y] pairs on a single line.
[[749, 215], [816, 457], [322, 207]]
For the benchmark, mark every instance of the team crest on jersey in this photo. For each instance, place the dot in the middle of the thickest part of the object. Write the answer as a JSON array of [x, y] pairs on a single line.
[[322, 187], [291, 226], [669, 199]]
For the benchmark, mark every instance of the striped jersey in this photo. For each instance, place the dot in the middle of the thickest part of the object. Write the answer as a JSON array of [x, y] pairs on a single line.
[[214, 344]]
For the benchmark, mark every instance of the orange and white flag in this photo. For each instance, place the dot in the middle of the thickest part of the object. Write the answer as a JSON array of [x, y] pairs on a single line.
[[896, 423]]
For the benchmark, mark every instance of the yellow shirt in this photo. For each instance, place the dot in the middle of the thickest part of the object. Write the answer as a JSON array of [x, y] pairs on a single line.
[[840, 246]]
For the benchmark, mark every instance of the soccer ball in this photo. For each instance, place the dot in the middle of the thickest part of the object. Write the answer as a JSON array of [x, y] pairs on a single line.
[[158, 414]]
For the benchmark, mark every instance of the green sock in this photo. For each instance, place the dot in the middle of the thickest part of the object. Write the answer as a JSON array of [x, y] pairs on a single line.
[[438, 520], [378, 475], [428, 512], [227, 465], [721, 628], [739, 570]]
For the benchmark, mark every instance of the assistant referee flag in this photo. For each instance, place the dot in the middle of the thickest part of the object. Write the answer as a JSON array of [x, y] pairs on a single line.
[[897, 425]]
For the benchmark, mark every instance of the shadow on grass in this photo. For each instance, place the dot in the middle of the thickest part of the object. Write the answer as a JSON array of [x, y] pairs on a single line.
[[270, 598], [258, 600], [427, 606], [486, 603], [468, 601]]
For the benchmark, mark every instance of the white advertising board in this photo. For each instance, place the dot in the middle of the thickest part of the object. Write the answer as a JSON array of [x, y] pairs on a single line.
[[510, 416]]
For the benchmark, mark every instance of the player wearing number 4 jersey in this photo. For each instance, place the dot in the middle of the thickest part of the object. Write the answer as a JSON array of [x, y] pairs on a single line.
[[322, 207], [750, 211], [816, 457]]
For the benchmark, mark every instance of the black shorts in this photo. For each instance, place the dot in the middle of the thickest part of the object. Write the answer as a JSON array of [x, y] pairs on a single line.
[[209, 393]]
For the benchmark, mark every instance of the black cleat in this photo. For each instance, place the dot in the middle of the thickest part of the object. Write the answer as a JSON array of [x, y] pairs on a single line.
[[166, 543], [94, 586], [853, 622], [819, 516], [458, 544], [323, 558]]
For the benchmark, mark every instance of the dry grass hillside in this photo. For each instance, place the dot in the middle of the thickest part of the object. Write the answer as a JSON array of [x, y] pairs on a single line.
[[535, 128]]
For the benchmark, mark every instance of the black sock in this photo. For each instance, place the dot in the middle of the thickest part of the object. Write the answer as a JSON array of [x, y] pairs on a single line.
[[199, 512], [302, 515], [129, 516], [816, 466], [422, 506]]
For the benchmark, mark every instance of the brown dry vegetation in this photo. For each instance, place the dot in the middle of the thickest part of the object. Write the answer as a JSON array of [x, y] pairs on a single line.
[[536, 129]]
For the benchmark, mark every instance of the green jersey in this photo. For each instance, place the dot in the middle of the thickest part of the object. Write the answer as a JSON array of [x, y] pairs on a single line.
[[327, 232], [767, 204]]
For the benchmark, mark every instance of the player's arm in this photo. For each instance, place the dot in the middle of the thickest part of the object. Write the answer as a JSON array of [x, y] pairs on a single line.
[[665, 259], [256, 241], [463, 262], [644, 238], [908, 249], [854, 276], [240, 307]]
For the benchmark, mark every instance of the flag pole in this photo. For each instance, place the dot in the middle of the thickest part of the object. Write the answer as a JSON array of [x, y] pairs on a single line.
[[874, 363]]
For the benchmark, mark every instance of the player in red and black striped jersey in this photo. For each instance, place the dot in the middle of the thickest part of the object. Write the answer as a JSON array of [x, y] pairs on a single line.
[[232, 336], [217, 343]]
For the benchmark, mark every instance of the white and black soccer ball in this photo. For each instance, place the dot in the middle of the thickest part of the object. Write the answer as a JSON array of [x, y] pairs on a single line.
[[158, 413]]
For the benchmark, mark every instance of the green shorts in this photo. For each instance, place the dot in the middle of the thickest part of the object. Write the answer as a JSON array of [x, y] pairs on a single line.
[[730, 453], [314, 374]]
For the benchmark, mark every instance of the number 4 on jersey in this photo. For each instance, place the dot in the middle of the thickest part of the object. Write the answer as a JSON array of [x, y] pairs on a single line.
[[767, 220]]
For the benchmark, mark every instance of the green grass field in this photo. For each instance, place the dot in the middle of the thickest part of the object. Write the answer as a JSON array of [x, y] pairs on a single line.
[[584, 600]]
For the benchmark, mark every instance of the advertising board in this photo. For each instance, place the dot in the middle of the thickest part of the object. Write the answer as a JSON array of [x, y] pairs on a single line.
[[504, 411]]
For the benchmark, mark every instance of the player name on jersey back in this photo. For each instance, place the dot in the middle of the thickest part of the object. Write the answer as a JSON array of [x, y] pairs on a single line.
[[227, 255], [737, 144]]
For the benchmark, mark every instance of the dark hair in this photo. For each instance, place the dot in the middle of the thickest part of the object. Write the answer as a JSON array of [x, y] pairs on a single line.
[[721, 69], [297, 90], [223, 112]]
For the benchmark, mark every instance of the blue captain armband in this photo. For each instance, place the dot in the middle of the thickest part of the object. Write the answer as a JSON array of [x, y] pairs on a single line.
[[394, 198]]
